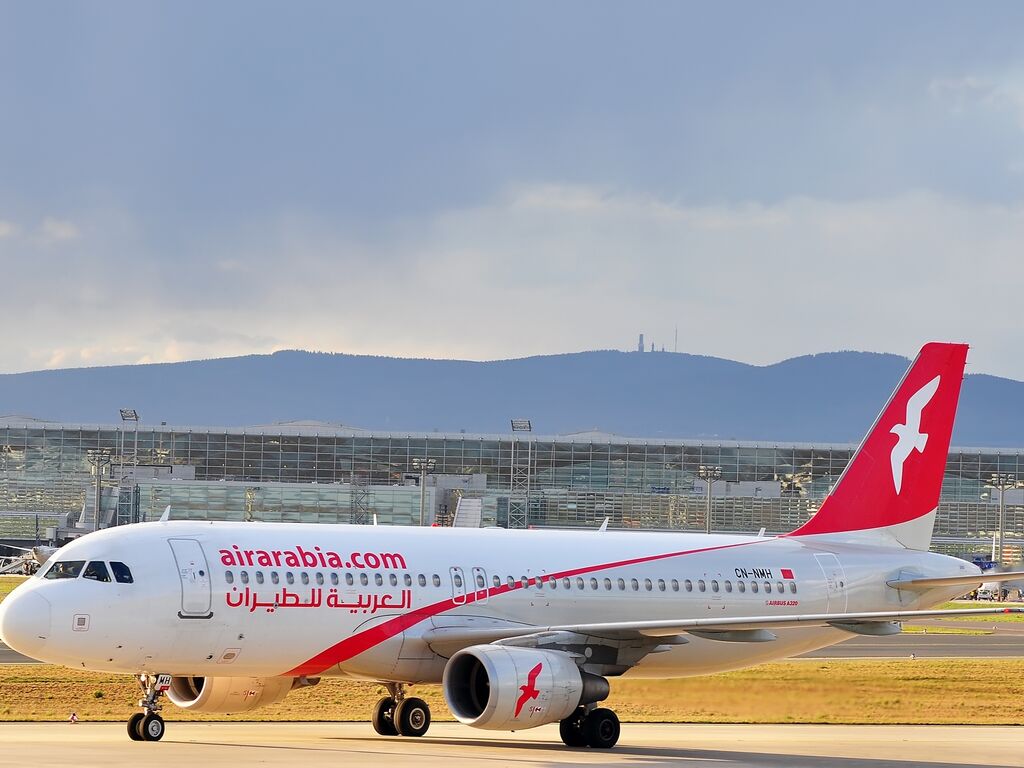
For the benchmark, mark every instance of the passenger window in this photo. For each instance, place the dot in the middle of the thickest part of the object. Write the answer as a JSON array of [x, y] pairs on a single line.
[[349, 580], [579, 582], [714, 585], [289, 577], [480, 581], [97, 571], [767, 587], [648, 585], [259, 577], [496, 580], [553, 583], [741, 586], [622, 585], [608, 585], [378, 579], [421, 580], [245, 577], [364, 579], [457, 579], [393, 580], [753, 586], [701, 585], [229, 577], [122, 573], [567, 583], [511, 582], [407, 578], [593, 584], [689, 586], [67, 569], [435, 580], [304, 577], [780, 587], [274, 577], [524, 581], [319, 578], [661, 585], [728, 586], [675, 585], [635, 585], [792, 587], [334, 579]]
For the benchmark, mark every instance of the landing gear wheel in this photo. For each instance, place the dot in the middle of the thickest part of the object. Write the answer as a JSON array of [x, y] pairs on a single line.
[[572, 730], [602, 729], [152, 727], [384, 717], [412, 717], [134, 726]]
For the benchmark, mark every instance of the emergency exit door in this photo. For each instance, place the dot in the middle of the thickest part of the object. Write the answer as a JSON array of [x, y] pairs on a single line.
[[194, 574]]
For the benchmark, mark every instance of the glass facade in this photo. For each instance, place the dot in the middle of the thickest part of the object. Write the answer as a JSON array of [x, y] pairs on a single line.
[[318, 473]]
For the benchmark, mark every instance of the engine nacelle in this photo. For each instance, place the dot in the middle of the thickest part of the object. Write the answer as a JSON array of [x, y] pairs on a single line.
[[502, 688], [229, 695]]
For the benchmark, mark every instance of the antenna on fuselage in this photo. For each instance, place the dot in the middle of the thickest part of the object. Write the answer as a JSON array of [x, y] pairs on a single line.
[[604, 526], [166, 515]]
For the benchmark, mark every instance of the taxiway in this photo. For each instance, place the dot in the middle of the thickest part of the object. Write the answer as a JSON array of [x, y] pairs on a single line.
[[449, 745]]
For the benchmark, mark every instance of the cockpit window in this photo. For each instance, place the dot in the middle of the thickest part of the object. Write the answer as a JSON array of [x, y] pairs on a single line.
[[97, 571], [66, 569], [122, 573]]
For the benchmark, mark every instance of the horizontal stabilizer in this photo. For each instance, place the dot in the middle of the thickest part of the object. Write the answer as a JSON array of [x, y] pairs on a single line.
[[922, 584]]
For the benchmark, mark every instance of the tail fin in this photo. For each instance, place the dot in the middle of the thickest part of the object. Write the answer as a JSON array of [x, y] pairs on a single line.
[[889, 492]]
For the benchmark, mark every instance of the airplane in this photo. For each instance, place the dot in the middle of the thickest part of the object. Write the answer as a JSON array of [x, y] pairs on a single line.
[[521, 628], [30, 562]]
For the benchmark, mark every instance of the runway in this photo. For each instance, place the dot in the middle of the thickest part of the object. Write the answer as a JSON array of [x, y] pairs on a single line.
[[447, 745]]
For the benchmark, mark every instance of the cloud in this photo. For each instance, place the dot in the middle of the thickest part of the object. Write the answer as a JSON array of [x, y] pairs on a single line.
[[53, 231], [546, 268], [7, 229]]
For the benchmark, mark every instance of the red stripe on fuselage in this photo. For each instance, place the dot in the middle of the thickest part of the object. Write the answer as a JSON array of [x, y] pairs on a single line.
[[358, 643]]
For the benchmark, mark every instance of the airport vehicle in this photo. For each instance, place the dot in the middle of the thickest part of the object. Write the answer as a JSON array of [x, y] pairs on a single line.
[[521, 628]]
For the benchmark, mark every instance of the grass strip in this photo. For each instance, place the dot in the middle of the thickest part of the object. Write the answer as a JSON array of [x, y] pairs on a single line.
[[938, 691]]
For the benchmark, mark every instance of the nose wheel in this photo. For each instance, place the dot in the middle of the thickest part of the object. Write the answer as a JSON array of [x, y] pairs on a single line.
[[148, 725]]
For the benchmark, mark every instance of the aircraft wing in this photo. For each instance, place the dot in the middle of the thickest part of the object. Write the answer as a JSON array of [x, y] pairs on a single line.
[[922, 584], [734, 629]]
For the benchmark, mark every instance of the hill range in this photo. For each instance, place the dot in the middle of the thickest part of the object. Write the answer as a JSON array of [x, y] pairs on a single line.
[[830, 397]]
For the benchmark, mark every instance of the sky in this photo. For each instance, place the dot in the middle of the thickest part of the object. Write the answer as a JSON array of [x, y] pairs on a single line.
[[184, 180]]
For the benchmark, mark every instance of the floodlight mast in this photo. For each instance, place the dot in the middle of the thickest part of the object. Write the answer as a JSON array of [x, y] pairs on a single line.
[[709, 474], [1002, 481], [423, 465]]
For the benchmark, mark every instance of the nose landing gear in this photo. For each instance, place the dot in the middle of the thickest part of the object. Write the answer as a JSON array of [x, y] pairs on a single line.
[[148, 725]]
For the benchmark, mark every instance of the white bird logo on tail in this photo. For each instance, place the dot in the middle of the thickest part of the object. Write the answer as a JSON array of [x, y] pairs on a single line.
[[909, 434]]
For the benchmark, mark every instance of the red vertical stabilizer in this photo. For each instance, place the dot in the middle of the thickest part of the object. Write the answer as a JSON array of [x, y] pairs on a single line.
[[895, 477]]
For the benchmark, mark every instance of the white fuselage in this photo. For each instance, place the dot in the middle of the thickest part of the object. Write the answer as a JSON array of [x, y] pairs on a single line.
[[263, 599]]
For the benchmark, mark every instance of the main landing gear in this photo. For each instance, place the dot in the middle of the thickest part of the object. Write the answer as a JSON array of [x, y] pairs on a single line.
[[597, 728], [148, 725], [395, 715]]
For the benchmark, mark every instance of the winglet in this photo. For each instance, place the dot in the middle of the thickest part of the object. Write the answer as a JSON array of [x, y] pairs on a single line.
[[892, 484], [604, 526], [166, 515]]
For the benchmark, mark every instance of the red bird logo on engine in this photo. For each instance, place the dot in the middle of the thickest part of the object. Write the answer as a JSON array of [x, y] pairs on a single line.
[[529, 691]]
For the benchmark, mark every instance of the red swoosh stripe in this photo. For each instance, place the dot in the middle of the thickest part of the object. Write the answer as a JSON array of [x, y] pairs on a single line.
[[360, 642]]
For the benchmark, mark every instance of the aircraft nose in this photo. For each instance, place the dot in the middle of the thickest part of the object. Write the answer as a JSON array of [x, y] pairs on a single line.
[[25, 622]]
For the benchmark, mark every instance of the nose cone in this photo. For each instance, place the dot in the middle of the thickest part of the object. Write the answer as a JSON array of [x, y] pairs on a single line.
[[25, 622]]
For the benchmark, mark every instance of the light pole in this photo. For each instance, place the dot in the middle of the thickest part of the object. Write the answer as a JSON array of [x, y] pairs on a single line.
[[1002, 481], [424, 466], [708, 474], [98, 458]]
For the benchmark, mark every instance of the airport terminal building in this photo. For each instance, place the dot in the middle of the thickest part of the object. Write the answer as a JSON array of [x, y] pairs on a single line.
[[57, 480]]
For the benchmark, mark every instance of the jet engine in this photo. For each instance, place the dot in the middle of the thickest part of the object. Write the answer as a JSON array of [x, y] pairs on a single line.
[[498, 687], [228, 694]]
